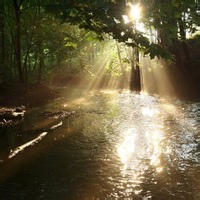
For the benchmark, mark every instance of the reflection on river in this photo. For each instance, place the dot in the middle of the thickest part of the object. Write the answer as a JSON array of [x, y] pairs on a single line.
[[118, 145]]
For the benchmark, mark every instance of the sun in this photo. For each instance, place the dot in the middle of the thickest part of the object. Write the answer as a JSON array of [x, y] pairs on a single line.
[[135, 12]]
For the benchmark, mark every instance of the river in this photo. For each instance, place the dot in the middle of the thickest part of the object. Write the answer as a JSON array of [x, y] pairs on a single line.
[[103, 145]]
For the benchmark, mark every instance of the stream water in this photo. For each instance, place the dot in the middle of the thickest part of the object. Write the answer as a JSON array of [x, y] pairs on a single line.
[[110, 145]]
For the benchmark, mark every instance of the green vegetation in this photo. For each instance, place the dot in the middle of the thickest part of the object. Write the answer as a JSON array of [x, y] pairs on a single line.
[[39, 38]]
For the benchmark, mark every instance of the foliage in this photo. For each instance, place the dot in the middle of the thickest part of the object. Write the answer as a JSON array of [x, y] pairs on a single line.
[[47, 44], [171, 20], [44, 36], [168, 17], [107, 17]]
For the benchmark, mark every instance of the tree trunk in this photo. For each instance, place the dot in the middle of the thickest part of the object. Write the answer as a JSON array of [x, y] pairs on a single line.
[[132, 77], [40, 49], [17, 41], [137, 70], [122, 81], [135, 83], [41, 61], [2, 44], [183, 43]]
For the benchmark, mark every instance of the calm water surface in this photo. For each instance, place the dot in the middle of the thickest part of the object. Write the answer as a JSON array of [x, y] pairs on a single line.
[[114, 146]]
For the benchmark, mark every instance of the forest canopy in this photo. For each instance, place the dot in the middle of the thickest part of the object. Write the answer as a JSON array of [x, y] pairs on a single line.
[[38, 37]]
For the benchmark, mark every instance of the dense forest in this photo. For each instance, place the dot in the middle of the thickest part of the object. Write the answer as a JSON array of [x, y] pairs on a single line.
[[42, 39]]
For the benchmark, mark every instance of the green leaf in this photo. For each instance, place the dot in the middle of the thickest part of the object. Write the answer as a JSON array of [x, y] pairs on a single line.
[[71, 44]]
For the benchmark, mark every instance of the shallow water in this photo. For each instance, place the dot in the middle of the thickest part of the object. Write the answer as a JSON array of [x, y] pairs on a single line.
[[116, 145]]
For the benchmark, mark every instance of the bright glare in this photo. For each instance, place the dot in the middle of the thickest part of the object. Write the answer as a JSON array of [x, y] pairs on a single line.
[[135, 12], [149, 111], [134, 15], [126, 19], [127, 147]]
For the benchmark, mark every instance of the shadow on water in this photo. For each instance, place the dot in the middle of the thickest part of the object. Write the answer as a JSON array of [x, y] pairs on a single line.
[[117, 145]]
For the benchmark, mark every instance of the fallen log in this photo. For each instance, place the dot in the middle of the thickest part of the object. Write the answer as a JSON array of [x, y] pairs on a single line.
[[9, 115]]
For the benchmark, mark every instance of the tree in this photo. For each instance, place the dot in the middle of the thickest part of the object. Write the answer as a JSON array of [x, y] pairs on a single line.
[[172, 20], [17, 38], [40, 41], [2, 44], [104, 17]]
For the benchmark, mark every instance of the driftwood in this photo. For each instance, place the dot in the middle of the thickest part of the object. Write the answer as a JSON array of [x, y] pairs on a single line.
[[9, 115]]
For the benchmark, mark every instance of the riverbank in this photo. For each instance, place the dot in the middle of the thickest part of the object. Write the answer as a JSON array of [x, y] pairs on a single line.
[[14, 95], [15, 100]]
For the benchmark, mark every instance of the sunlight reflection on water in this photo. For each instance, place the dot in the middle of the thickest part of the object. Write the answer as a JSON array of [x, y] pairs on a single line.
[[147, 129], [120, 145], [141, 144]]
